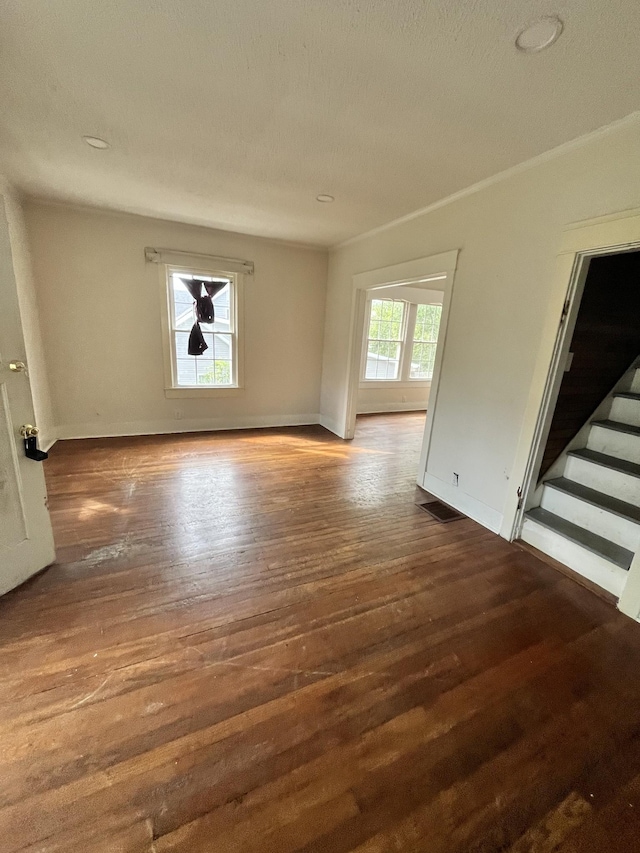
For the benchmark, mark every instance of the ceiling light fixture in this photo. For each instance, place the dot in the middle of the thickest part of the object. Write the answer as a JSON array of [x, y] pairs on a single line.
[[539, 35], [96, 142], [325, 199]]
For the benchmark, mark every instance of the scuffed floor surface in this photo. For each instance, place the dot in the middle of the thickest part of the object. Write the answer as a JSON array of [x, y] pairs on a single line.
[[255, 642]]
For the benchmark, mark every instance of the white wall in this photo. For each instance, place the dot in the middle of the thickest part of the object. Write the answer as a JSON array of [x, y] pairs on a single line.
[[100, 307], [29, 315], [397, 396], [508, 233]]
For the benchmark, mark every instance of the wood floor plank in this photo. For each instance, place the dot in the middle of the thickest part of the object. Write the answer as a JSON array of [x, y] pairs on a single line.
[[255, 641]]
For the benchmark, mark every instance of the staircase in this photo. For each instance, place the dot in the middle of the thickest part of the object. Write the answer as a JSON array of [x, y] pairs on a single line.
[[588, 512]]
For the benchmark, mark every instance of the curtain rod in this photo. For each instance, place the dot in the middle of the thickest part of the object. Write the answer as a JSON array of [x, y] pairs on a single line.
[[171, 256]]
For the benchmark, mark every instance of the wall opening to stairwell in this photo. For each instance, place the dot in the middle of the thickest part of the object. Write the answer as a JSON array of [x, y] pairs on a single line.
[[580, 502], [604, 343]]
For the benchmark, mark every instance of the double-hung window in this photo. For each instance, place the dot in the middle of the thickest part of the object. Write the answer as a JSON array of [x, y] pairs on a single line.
[[401, 341], [387, 323], [217, 367], [425, 340]]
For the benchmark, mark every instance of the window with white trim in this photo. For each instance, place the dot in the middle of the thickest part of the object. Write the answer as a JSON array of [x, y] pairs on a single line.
[[401, 341], [424, 341], [217, 366]]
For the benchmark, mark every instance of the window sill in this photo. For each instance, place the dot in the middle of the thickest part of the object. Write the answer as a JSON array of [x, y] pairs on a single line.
[[395, 383], [230, 391]]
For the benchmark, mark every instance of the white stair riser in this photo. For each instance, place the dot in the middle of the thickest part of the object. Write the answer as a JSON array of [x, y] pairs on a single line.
[[607, 524], [635, 383], [607, 575], [614, 443], [606, 480], [625, 410]]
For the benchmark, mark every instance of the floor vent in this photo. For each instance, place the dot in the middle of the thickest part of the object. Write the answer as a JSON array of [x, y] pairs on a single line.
[[441, 512]]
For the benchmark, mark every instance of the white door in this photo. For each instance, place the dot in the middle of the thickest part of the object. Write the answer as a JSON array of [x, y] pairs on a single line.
[[26, 540]]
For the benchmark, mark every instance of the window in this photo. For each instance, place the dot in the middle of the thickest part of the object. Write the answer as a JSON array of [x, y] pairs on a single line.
[[401, 341], [385, 339], [425, 339], [217, 367]]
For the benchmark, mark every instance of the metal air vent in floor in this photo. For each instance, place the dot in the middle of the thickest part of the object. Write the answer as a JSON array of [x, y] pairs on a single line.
[[441, 512]]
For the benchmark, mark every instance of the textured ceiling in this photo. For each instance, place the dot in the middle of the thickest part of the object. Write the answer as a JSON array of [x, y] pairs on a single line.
[[237, 113]]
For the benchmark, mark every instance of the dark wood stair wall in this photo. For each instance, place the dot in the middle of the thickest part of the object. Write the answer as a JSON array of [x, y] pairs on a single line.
[[605, 342]]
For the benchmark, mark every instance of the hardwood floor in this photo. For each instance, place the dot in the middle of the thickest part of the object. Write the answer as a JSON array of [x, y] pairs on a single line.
[[255, 641]]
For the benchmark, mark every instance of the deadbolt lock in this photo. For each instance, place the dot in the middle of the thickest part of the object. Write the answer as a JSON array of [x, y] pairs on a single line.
[[18, 366]]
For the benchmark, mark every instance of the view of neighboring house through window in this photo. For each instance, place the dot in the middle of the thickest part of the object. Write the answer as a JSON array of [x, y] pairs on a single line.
[[386, 335], [215, 368], [401, 341]]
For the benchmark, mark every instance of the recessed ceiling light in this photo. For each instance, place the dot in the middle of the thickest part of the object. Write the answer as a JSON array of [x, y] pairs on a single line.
[[325, 199], [539, 35], [96, 142]]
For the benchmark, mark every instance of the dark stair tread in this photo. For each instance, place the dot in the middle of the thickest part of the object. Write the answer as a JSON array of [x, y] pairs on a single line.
[[622, 465], [618, 426], [616, 554], [628, 395], [596, 498]]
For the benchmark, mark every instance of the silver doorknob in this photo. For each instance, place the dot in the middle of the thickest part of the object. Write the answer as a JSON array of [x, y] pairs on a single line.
[[18, 366], [27, 430]]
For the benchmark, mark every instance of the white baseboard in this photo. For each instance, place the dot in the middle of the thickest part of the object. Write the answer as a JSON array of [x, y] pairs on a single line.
[[162, 427], [455, 497], [332, 425], [383, 408]]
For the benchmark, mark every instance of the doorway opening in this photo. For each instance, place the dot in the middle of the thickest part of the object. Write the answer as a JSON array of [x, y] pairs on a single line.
[[399, 343], [582, 503]]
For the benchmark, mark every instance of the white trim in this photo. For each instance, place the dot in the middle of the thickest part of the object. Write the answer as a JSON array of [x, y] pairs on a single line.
[[420, 272], [575, 277], [167, 426], [455, 497], [551, 154], [605, 235], [410, 273], [393, 384], [171, 389], [382, 408], [580, 241]]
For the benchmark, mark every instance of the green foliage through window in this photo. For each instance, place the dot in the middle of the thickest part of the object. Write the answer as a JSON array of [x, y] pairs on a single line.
[[387, 333]]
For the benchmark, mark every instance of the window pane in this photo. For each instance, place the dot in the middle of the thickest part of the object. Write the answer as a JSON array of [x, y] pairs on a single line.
[[215, 373], [186, 372], [422, 361], [385, 330], [383, 360], [181, 344], [215, 366], [222, 310], [427, 323], [384, 342], [183, 304], [390, 314]]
